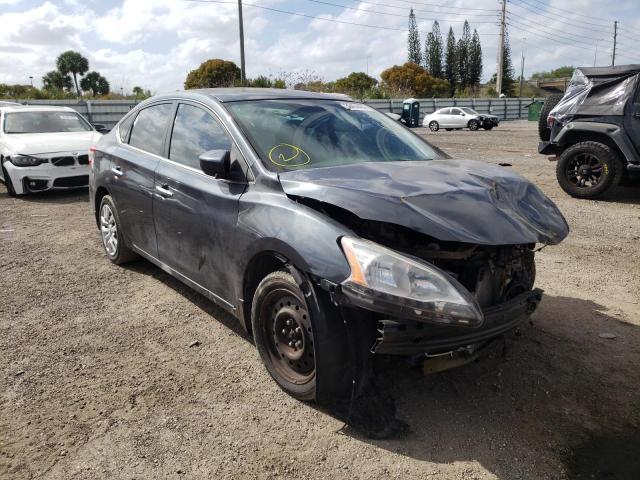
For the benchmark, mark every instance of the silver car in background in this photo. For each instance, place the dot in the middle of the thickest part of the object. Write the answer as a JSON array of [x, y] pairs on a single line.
[[457, 118]]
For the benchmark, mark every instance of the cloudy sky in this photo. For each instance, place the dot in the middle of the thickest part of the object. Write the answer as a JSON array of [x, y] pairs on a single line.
[[155, 43]]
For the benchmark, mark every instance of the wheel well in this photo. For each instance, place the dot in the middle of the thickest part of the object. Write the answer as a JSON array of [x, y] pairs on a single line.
[[577, 137], [259, 267], [100, 193]]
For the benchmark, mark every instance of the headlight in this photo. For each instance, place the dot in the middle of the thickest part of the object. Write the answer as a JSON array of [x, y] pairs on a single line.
[[26, 160], [387, 281]]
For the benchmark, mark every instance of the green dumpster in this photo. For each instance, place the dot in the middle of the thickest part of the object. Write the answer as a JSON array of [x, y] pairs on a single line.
[[534, 110]]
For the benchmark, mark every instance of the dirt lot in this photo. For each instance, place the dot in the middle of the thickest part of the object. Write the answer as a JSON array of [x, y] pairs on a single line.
[[99, 379]]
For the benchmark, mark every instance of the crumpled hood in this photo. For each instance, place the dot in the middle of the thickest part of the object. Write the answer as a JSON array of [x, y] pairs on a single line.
[[451, 200], [37, 143]]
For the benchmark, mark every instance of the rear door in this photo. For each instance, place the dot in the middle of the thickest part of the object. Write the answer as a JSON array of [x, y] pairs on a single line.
[[195, 214], [133, 169], [444, 117]]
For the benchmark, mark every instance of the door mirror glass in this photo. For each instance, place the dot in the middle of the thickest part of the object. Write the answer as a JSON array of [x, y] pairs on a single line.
[[462, 114], [216, 163]]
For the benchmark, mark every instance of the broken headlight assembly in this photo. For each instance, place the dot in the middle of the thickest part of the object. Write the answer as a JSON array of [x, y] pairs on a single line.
[[389, 282], [25, 160]]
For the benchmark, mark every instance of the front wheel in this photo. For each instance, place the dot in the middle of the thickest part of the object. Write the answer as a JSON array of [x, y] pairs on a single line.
[[434, 126], [488, 127], [111, 232], [474, 125], [588, 169], [7, 182], [282, 330]]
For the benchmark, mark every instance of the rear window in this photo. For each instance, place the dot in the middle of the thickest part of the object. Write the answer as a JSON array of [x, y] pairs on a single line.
[[44, 122], [150, 127]]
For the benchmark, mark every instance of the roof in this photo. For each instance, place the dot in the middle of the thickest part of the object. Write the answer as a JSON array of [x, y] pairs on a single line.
[[224, 95], [617, 71], [35, 108]]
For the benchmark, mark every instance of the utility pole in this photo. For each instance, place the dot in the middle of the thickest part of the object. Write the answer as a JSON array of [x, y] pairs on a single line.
[[595, 55], [524, 41], [501, 48], [615, 40], [243, 73], [368, 57]]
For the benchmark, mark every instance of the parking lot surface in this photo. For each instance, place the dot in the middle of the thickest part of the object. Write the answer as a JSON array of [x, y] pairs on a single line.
[[111, 372]]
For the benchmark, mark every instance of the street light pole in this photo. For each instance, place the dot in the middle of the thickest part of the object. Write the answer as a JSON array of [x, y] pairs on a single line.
[[31, 80], [243, 74]]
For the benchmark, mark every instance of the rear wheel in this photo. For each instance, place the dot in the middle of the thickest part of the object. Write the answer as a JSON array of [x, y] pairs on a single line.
[[7, 181], [473, 125], [543, 130], [111, 232], [588, 169], [434, 126]]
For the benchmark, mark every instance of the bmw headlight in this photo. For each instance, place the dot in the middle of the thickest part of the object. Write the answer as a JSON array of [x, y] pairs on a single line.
[[26, 160], [384, 280]]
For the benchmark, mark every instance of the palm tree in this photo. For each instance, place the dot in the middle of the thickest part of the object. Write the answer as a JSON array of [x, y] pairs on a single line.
[[74, 63]]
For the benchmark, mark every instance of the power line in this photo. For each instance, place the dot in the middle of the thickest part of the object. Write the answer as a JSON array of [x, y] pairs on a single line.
[[398, 7], [550, 7], [546, 36], [411, 3], [525, 6], [532, 25], [313, 17], [346, 7]]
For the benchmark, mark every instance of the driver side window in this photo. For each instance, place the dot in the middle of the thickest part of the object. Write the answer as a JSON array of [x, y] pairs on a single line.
[[195, 131]]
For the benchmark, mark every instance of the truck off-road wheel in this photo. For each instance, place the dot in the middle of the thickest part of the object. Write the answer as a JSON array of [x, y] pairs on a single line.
[[283, 333], [434, 126], [111, 232], [7, 182], [543, 130], [473, 125], [588, 169]]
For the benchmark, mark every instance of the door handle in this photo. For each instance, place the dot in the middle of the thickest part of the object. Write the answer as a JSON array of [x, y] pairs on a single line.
[[117, 171], [164, 191], [636, 115]]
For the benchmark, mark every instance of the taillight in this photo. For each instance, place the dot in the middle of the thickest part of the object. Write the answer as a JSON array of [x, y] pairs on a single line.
[[92, 155]]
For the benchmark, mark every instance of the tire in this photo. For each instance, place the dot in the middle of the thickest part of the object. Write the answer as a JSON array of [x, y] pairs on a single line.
[[550, 102], [113, 241], [588, 169], [473, 125], [434, 126], [7, 182], [488, 127], [281, 321]]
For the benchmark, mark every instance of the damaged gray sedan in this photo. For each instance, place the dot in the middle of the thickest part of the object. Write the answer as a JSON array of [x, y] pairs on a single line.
[[330, 231]]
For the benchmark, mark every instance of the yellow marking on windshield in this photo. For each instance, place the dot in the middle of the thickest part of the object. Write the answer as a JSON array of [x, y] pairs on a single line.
[[287, 155]]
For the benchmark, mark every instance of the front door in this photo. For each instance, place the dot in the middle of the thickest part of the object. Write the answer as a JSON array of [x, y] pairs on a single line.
[[195, 214], [133, 166]]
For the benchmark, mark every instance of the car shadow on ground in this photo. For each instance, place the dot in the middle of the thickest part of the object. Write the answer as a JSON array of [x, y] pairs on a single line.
[[53, 197], [557, 386], [628, 194]]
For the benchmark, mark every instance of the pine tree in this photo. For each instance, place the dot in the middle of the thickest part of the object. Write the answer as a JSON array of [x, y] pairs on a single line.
[[462, 56], [475, 60], [414, 46], [450, 67], [433, 52], [508, 72]]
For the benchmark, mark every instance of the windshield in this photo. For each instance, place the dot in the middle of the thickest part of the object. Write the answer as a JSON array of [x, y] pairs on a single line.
[[299, 134], [470, 111], [44, 122]]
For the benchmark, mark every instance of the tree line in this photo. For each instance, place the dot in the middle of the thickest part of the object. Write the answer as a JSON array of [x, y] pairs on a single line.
[[70, 79]]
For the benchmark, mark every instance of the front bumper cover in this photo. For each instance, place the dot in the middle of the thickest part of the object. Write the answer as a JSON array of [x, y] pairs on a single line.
[[548, 148]]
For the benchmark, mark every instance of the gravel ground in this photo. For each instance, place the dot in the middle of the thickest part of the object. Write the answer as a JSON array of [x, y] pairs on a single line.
[[99, 379]]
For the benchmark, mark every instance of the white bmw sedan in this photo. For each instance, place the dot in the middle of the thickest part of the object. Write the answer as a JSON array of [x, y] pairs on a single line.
[[44, 148]]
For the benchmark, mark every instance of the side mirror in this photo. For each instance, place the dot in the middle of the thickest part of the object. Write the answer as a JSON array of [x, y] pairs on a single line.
[[462, 114], [216, 163]]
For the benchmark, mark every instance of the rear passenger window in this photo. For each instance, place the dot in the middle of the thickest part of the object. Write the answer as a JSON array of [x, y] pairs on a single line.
[[149, 128], [445, 111], [194, 132]]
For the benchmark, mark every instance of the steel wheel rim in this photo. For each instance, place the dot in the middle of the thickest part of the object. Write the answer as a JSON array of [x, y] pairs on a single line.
[[584, 170], [288, 335], [109, 230]]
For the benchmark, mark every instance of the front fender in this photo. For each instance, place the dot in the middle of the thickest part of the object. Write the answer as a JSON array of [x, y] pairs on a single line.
[[614, 132]]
